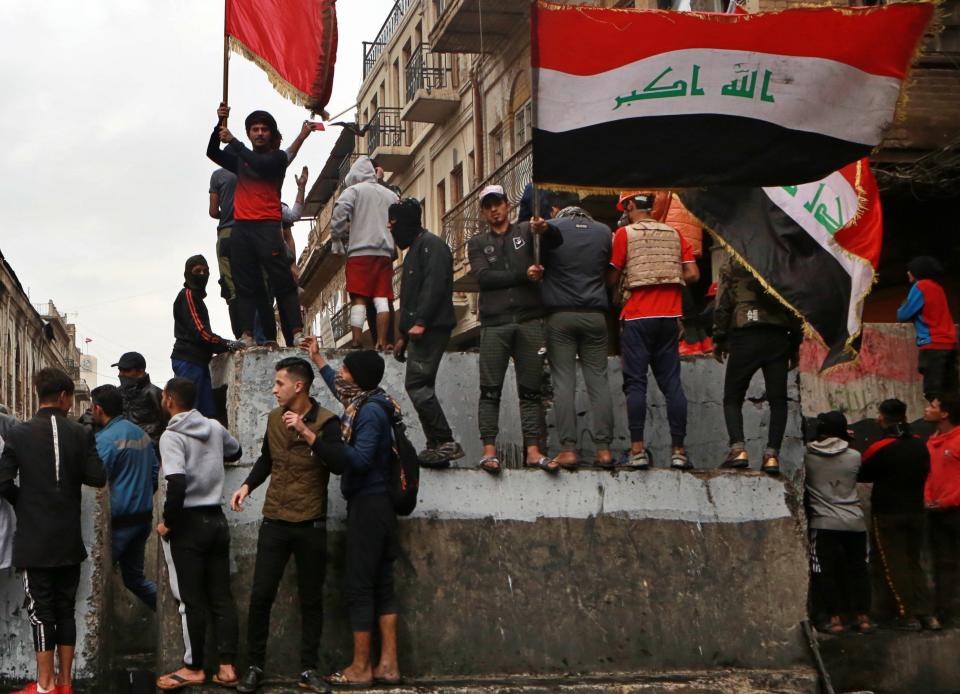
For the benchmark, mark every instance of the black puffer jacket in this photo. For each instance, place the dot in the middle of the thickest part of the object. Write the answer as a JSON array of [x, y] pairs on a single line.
[[426, 286], [141, 405]]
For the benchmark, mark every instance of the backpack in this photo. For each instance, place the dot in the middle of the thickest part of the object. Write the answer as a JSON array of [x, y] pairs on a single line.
[[404, 481]]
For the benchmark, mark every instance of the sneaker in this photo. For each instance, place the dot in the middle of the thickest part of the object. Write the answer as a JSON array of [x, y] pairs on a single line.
[[680, 461], [689, 349], [771, 464], [908, 624], [297, 338], [707, 345], [635, 461], [432, 458], [251, 679], [312, 682], [451, 449], [931, 623], [737, 459]]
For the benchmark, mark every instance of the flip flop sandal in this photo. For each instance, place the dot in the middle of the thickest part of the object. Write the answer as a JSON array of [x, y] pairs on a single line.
[[572, 465], [338, 679], [490, 464], [391, 681], [545, 464], [180, 682], [229, 684]]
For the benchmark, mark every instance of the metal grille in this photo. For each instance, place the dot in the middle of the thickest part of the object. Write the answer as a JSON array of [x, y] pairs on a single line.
[[386, 130], [426, 70], [463, 221], [340, 322], [372, 50]]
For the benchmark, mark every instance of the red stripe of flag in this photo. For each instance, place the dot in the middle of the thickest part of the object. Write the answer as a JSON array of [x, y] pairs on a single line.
[[580, 36]]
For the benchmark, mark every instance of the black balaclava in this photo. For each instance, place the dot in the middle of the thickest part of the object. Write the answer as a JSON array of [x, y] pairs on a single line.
[[407, 217], [925, 267], [195, 282]]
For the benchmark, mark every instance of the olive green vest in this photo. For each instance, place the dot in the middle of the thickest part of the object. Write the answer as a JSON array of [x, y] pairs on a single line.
[[298, 479]]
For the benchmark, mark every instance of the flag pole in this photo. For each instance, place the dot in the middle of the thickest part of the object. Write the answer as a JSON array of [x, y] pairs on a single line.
[[533, 124], [226, 60]]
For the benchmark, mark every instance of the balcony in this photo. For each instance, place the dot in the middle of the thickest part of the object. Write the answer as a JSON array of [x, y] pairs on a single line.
[[459, 23], [387, 141], [340, 323], [372, 50], [463, 221], [430, 98]]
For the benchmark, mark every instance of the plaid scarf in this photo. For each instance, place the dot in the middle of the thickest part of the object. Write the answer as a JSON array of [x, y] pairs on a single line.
[[353, 398]]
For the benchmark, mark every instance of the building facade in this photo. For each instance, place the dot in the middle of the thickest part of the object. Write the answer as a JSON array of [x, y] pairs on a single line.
[[445, 109], [33, 337]]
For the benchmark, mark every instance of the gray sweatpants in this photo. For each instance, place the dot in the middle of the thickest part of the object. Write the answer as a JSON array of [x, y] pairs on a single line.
[[571, 334], [499, 344]]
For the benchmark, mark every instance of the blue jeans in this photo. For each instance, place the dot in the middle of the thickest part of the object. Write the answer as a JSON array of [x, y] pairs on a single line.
[[652, 343], [128, 551], [200, 375]]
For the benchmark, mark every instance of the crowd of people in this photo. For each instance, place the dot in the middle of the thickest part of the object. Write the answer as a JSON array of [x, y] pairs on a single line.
[[546, 290]]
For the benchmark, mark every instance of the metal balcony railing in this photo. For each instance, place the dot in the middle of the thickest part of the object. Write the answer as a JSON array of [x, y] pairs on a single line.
[[345, 165], [463, 221], [386, 130], [426, 70], [340, 322], [372, 50]]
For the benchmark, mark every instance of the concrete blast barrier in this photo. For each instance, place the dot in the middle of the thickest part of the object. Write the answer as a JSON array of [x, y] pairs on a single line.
[[529, 573], [17, 661]]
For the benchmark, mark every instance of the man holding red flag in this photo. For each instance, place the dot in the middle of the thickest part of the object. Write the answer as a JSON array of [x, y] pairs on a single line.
[[257, 246]]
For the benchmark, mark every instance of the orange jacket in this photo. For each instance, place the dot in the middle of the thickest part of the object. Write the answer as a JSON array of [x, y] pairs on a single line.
[[943, 482], [667, 208]]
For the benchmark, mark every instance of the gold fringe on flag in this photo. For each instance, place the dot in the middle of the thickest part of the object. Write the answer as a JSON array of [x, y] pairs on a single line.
[[285, 89]]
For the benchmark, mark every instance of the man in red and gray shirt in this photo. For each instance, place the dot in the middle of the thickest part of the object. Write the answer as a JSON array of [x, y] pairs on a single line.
[[942, 497], [256, 244]]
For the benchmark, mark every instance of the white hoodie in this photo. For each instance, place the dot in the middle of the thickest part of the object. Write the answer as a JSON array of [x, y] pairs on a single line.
[[359, 220], [195, 446]]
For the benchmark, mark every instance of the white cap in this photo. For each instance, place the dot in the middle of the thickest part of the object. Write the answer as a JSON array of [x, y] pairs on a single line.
[[492, 190]]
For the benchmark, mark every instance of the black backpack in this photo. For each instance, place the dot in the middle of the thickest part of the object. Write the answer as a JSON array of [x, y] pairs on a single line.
[[404, 482]]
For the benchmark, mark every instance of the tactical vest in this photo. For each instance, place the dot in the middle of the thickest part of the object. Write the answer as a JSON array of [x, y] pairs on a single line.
[[653, 255], [298, 480]]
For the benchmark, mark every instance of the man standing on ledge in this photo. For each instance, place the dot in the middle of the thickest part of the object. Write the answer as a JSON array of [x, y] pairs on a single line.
[[511, 325], [53, 457], [256, 242], [653, 261], [294, 516], [426, 319]]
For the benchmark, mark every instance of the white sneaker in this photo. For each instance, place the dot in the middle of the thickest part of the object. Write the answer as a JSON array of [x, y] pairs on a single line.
[[297, 338]]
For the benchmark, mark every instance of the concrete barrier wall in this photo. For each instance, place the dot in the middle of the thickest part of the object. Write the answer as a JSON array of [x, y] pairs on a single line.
[[581, 572], [17, 661]]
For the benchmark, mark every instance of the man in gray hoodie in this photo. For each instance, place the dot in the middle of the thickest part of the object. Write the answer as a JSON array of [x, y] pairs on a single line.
[[359, 228], [196, 539], [838, 532]]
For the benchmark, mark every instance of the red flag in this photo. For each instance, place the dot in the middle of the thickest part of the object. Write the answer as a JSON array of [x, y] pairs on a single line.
[[864, 235], [293, 41]]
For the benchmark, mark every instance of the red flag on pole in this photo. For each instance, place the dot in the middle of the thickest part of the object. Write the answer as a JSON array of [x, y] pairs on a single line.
[[293, 41]]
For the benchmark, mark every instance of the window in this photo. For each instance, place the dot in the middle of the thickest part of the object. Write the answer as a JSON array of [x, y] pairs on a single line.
[[456, 184], [441, 203], [496, 147], [523, 125]]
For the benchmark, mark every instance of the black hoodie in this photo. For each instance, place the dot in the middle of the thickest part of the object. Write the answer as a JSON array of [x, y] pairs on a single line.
[[194, 341], [898, 465]]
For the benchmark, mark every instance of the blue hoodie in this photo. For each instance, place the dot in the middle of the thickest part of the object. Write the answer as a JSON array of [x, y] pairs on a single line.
[[132, 467]]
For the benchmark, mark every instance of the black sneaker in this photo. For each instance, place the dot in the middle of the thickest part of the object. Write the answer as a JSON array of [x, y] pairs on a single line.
[[313, 682], [451, 450], [251, 679], [432, 458]]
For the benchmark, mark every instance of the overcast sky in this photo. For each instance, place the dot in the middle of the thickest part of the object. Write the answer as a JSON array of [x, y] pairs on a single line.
[[107, 106]]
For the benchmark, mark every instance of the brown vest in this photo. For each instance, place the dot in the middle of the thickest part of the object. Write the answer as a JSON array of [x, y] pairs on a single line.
[[298, 479], [653, 255]]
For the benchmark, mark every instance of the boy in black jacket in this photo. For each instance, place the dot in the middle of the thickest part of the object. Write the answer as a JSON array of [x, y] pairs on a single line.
[[897, 465], [195, 342], [54, 457], [426, 320]]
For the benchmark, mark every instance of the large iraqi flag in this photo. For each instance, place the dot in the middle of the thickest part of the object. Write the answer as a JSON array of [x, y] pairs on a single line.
[[815, 246], [630, 99]]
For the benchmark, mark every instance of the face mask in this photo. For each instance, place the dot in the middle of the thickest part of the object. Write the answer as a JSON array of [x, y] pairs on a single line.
[[346, 391], [197, 282], [405, 236]]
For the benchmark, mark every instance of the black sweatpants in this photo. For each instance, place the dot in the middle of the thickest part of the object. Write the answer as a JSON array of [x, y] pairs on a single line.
[[423, 363], [307, 542], [839, 566], [372, 547], [257, 249], [939, 370], [197, 552], [944, 528], [898, 542], [764, 347], [51, 601]]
